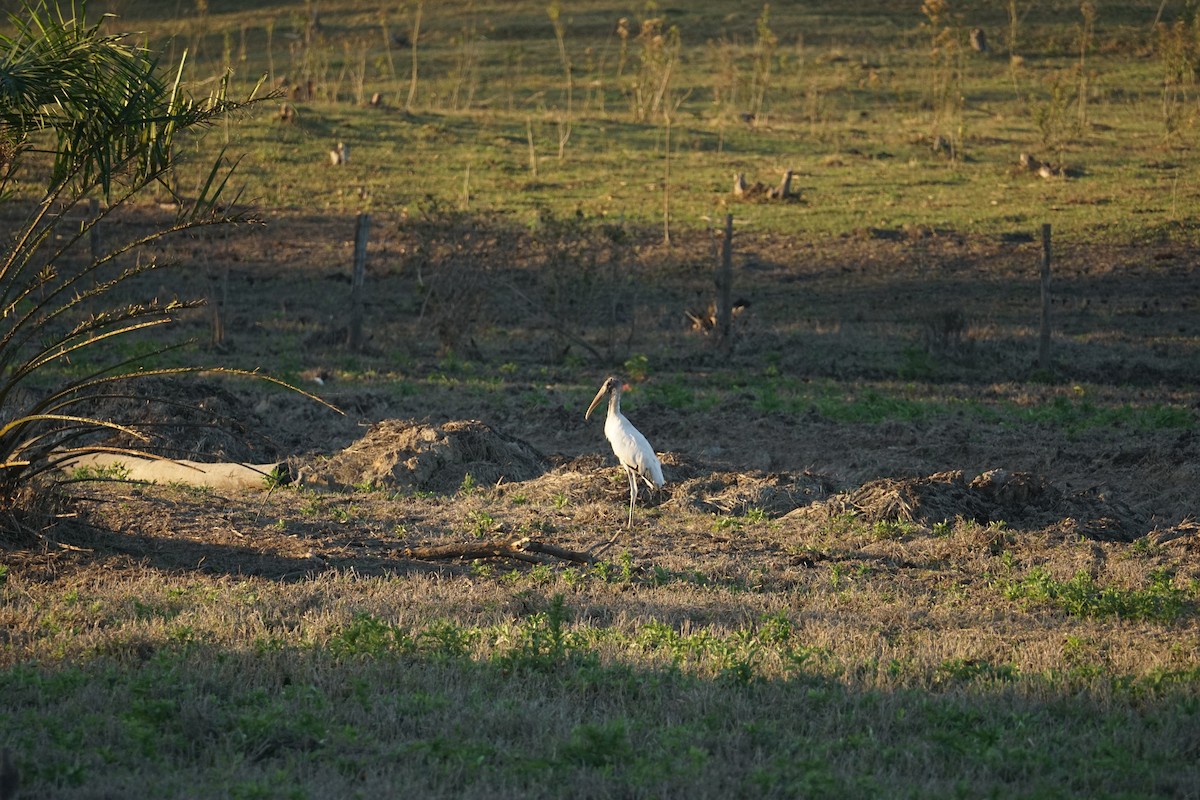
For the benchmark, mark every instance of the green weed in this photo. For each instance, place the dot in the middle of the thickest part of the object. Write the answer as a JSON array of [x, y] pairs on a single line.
[[755, 514], [446, 640], [1081, 596], [599, 745], [893, 528], [1076, 415], [367, 635], [541, 641], [482, 524], [724, 523], [971, 670], [672, 394], [277, 478], [637, 367], [344, 514], [115, 471]]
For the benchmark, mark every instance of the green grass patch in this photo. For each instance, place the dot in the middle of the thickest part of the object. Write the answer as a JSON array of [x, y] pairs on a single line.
[[552, 727], [1082, 596], [876, 402], [853, 99], [1076, 415]]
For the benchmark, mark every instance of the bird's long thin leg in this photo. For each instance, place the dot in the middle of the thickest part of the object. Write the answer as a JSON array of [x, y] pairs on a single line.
[[632, 493]]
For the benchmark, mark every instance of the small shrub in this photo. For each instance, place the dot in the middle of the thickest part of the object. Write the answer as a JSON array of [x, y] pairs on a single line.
[[446, 640]]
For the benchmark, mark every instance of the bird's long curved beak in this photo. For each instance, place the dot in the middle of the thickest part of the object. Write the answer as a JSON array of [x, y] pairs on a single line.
[[596, 401]]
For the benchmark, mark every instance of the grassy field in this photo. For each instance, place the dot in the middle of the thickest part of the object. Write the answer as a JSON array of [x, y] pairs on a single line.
[[883, 124], [895, 556]]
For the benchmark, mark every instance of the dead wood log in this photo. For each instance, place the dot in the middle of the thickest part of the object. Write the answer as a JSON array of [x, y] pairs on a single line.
[[784, 190], [739, 184], [523, 549], [747, 191], [979, 41], [1043, 169], [705, 321], [759, 191], [304, 91]]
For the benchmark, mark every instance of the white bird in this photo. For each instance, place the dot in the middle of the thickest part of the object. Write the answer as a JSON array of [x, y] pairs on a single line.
[[631, 448]]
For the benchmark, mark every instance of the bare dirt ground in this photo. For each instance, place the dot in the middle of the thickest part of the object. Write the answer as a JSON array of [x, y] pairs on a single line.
[[464, 324]]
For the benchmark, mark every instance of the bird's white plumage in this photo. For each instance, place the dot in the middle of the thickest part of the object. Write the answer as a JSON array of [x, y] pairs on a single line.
[[629, 445]]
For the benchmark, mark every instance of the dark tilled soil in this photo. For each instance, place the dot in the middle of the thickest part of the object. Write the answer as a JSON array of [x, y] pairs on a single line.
[[936, 312]]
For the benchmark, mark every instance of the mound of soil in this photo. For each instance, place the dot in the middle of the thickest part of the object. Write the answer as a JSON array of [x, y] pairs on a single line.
[[691, 486], [407, 455], [735, 493], [1019, 499]]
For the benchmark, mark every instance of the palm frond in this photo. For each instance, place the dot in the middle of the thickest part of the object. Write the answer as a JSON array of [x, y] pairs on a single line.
[[112, 122]]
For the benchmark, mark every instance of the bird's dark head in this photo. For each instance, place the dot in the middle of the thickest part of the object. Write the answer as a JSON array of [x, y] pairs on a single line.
[[611, 384]]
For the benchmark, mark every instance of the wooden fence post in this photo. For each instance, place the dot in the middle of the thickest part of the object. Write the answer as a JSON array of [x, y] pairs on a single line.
[[1044, 340], [725, 285], [357, 281]]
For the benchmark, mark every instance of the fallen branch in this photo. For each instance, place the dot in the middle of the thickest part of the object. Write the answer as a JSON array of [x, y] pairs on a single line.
[[558, 552], [758, 191], [523, 549]]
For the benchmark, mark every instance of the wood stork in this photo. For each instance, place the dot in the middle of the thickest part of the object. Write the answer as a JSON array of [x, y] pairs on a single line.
[[631, 448]]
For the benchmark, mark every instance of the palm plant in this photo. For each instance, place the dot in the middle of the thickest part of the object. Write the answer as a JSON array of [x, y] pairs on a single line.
[[85, 116]]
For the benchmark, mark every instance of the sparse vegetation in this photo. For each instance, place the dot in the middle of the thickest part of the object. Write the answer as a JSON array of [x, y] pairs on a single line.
[[1160, 601], [101, 472]]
